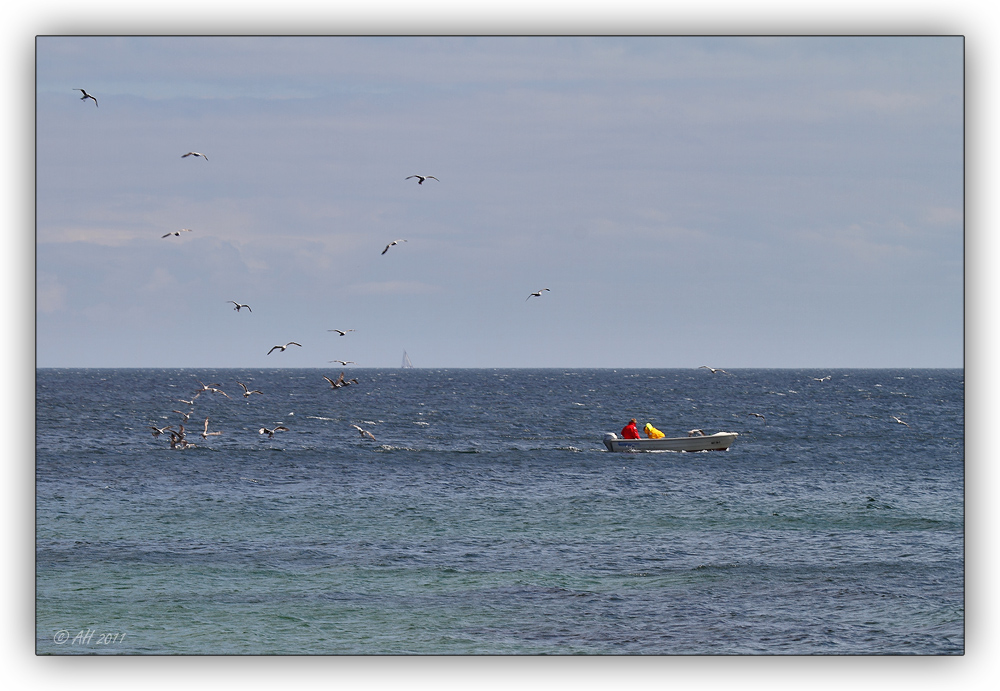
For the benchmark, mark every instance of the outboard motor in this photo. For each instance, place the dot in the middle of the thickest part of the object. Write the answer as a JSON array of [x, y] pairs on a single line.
[[608, 438]]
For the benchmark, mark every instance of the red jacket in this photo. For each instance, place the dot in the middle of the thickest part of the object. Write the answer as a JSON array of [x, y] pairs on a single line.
[[630, 431]]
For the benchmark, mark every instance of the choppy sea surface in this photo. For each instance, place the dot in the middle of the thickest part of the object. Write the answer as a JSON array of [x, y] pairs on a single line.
[[487, 517]]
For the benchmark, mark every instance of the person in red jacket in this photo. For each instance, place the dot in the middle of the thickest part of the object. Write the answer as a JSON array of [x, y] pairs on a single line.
[[630, 431]]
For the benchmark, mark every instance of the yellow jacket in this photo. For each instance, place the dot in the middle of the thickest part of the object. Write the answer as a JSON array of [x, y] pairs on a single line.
[[652, 432]]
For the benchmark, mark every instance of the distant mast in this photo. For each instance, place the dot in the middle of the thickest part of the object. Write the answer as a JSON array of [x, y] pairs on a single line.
[[406, 361]]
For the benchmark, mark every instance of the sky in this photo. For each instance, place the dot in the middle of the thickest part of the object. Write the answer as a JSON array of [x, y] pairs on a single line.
[[742, 201], [750, 202]]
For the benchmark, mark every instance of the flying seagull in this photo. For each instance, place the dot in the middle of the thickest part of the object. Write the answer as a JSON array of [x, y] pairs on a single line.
[[247, 392], [157, 431], [394, 242], [421, 178], [536, 294], [344, 362], [183, 414], [205, 434], [758, 415], [282, 347], [238, 306], [178, 232], [340, 381], [364, 432], [194, 153], [343, 333], [821, 378], [714, 369], [205, 387], [270, 432], [696, 433], [86, 96], [898, 420]]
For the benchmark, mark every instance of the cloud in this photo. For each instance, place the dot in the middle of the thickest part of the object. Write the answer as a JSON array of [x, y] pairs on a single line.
[[944, 215], [105, 236], [866, 244], [161, 281], [50, 294]]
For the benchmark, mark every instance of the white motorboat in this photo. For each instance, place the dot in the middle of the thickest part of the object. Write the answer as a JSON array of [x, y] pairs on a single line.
[[719, 441]]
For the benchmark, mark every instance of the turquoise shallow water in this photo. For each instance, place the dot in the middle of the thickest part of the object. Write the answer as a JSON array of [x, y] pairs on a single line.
[[487, 518]]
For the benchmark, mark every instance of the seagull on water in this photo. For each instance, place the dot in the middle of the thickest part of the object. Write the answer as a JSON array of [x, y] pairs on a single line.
[[205, 434], [758, 415], [394, 242], [86, 96], [178, 232], [421, 178], [177, 440], [344, 333], [364, 432], [898, 420], [714, 369], [270, 432], [238, 306], [247, 392], [194, 153], [537, 294], [282, 347]]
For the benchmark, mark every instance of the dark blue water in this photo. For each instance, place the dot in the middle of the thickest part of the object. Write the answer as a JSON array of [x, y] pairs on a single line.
[[487, 517]]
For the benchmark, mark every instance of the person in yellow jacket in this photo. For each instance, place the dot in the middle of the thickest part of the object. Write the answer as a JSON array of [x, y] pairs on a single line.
[[652, 432]]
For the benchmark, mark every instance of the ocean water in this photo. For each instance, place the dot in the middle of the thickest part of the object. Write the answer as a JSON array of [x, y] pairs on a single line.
[[487, 517]]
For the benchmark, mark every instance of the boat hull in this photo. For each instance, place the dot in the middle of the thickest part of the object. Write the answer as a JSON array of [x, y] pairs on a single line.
[[720, 441]]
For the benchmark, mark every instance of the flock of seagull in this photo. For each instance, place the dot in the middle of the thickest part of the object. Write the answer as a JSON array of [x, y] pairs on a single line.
[[178, 436]]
